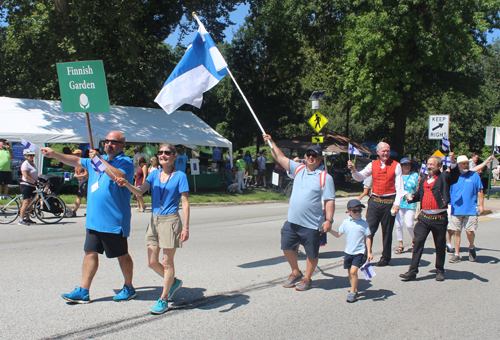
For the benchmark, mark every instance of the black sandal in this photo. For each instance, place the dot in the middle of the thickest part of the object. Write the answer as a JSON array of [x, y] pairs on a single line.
[[399, 250]]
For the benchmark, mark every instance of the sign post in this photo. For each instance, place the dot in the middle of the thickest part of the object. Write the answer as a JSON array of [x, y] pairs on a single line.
[[83, 88]]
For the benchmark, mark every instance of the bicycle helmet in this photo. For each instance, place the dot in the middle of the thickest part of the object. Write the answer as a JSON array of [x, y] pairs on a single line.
[[27, 152]]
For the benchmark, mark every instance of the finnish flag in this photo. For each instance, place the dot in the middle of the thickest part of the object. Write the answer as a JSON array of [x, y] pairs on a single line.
[[445, 143], [200, 69], [367, 271], [496, 149], [98, 166], [354, 151], [423, 168], [28, 145], [446, 160]]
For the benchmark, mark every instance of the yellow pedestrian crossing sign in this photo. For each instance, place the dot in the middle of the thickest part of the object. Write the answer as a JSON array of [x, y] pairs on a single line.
[[317, 121], [317, 139]]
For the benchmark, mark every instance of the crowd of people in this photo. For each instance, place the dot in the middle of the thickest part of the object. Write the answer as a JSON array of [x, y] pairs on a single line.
[[441, 201]]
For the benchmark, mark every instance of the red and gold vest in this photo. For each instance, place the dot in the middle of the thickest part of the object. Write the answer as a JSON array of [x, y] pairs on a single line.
[[384, 179], [428, 201]]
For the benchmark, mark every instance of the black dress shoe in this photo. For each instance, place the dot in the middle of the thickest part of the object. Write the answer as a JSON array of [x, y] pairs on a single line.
[[408, 276], [382, 263], [440, 276]]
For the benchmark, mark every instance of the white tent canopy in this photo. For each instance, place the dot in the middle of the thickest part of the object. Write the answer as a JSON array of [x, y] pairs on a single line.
[[43, 121]]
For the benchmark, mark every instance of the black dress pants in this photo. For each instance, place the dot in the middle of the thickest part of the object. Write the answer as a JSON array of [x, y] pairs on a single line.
[[438, 229], [380, 213]]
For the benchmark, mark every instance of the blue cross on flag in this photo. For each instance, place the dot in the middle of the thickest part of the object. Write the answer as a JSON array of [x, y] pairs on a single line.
[[446, 160], [496, 149], [354, 151], [445, 143], [98, 166], [200, 69], [28, 145]]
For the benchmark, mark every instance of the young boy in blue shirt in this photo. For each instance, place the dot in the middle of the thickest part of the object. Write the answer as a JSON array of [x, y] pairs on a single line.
[[357, 231]]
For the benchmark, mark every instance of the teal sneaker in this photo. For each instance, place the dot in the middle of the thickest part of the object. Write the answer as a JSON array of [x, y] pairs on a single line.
[[79, 295], [160, 307], [175, 287], [125, 294]]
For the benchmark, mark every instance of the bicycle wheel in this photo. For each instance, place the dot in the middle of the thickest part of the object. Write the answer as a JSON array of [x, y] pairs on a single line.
[[50, 209], [9, 210]]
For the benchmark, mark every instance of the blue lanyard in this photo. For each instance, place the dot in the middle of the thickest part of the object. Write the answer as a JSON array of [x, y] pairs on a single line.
[[163, 190]]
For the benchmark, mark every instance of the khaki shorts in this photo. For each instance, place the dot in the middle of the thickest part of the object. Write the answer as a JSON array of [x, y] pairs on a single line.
[[459, 222], [164, 231]]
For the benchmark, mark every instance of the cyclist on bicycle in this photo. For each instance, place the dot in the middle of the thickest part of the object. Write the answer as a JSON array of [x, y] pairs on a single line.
[[27, 185]]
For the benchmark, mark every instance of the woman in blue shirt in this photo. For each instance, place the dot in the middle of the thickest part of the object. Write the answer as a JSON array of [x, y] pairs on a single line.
[[165, 231], [407, 210]]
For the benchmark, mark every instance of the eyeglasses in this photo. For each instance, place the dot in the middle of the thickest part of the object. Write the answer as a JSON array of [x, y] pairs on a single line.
[[356, 211], [112, 141], [313, 155], [162, 152]]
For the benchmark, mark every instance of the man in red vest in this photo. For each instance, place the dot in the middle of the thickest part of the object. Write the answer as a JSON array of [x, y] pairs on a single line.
[[387, 192], [434, 195]]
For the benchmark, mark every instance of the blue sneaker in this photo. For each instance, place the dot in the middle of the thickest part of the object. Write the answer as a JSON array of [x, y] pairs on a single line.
[[175, 287], [125, 294], [160, 307], [79, 295]]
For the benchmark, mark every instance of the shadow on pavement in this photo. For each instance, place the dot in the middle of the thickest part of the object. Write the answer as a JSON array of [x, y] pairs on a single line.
[[451, 274], [264, 263], [190, 298], [376, 295]]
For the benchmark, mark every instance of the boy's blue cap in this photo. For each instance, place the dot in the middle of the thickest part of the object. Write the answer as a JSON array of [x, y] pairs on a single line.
[[404, 161], [354, 203]]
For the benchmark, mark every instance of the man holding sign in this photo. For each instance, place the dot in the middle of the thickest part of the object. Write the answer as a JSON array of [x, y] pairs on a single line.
[[108, 213]]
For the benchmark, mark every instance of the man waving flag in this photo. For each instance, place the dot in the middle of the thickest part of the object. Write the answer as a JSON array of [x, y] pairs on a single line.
[[200, 69]]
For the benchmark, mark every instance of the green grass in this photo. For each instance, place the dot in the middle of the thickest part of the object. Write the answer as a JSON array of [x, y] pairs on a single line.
[[218, 196]]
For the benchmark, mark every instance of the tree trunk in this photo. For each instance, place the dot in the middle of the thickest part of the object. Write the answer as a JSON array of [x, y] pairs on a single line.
[[400, 115]]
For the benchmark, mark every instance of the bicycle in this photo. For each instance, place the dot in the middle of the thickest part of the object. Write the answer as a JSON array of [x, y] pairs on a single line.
[[46, 206]]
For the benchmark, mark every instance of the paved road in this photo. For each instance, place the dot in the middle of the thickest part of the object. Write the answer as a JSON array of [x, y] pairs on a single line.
[[232, 269]]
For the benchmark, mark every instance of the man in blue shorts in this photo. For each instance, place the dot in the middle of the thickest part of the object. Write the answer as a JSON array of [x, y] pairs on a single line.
[[108, 215], [306, 218]]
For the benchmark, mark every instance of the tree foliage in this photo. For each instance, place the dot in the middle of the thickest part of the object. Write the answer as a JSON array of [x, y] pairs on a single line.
[[127, 35]]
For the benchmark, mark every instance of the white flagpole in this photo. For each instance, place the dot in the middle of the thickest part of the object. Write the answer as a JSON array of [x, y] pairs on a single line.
[[248, 104]]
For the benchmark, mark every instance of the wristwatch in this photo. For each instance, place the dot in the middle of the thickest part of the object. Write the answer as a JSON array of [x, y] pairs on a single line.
[[329, 220]]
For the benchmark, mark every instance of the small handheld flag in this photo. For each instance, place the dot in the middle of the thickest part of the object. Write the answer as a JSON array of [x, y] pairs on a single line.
[[423, 168], [98, 166], [28, 145], [496, 149], [367, 271], [354, 151], [446, 160], [445, 143]]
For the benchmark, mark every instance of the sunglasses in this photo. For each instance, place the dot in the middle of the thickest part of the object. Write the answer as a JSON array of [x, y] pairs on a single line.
[[356, 211], [313, 155], [112, 141], [168, 153]]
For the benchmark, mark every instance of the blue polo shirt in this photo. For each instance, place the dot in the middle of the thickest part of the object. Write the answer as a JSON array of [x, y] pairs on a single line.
[[463, 194], [355, 232], [305, 203], [108, 207]]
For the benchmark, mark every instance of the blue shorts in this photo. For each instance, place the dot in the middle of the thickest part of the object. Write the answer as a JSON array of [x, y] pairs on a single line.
[[353, 260], [292, 234]]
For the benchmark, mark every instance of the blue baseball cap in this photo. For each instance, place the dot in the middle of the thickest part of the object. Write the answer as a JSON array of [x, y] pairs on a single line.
[[404, 161], [316, 149]]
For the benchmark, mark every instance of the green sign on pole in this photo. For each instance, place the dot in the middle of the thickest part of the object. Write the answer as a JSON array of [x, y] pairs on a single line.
[[83, 86]]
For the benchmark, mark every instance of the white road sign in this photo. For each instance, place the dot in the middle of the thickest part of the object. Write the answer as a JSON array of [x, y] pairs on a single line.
[[439, 126]]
